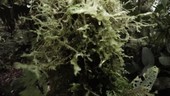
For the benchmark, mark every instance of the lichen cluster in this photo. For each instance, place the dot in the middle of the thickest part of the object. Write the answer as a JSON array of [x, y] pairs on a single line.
[[87, 35]]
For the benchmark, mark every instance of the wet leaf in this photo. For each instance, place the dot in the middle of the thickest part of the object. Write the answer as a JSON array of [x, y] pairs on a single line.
[[164, 61], [147, 57]]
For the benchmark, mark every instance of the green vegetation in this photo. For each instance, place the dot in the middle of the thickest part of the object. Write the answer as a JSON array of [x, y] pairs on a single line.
[[84, 47]]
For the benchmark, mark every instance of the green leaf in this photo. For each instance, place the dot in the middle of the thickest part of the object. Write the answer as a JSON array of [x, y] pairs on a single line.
[[164, 2], [164, 61], [147, 57], [31, 91], [29, 81], [28, 78], [33, 68]]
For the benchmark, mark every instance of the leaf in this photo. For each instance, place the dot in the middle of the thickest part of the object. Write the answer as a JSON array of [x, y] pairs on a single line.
[[147, 57], [28, 78], [168, 47], [75, 65], [149, 78], [164, 2], [31, 91], [33, 68], [29, 81], [164, 61]]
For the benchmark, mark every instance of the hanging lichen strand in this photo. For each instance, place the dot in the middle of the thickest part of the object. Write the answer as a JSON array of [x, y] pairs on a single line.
[[86, 35]]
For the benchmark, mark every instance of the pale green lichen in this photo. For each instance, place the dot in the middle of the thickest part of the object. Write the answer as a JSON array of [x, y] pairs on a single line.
[[71, 28]]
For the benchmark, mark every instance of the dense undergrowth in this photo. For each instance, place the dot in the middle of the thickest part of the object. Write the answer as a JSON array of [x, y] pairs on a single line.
[[82, 48]]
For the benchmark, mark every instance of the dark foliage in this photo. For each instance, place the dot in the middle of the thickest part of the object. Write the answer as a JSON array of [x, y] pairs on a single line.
[[10, 13]]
